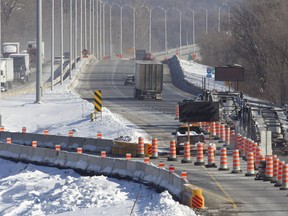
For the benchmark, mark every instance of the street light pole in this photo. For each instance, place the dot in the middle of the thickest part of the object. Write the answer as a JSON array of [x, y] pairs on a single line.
[[165, 29], [90, 27], [85, 25], [81, 27], [134, 31], [52, 43], [97, 29], [75, 31], [104, 31], [70, 42], [180, 29], [193, 28], [121, 28], [100, 30], [219, 18], [61, 42], [110, 30], [39, 51]]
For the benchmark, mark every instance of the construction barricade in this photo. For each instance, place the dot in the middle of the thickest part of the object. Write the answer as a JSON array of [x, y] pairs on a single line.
[[236, 162], [187, 157], [200, 155], [284, 185], [250, 164], [280, 174], [154, 148], [141, 151], [172, 155], [223, 159], [211, 154]]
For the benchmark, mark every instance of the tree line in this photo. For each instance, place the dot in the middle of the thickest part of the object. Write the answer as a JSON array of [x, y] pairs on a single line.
[[256, 39]]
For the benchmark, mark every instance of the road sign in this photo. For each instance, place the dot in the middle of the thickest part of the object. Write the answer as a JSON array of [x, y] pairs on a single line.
[[97, 101]]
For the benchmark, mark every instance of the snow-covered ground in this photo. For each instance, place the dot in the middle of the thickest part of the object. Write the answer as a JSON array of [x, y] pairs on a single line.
[[27, 189]]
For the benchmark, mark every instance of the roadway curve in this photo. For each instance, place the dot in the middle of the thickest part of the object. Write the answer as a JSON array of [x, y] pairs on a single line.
[[225, 193]]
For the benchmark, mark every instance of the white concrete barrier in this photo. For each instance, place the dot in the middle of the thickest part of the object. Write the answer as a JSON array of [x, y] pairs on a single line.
[[94, 164], [137, 170]]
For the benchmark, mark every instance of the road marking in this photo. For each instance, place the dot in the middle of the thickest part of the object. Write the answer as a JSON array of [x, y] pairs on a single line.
[[229, 198]]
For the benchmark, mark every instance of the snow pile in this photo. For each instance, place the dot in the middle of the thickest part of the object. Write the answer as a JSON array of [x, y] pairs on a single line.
[[63, 110], [35, 190]]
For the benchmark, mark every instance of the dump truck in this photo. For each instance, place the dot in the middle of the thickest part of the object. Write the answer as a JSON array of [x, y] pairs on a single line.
[[148, 80], [21, 67], [7, 72], [10, 48]]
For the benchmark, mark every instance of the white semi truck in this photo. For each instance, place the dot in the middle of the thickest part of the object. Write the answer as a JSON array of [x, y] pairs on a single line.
[[10, 48], [21, 67], [7, 72], [148, 80]]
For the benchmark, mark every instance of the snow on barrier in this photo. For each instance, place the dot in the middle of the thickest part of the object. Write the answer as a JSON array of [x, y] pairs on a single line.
[[136, 170]]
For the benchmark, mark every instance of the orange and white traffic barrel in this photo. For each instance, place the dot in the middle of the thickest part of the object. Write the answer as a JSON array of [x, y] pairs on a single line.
[[2, 129], [46, 132], [161, 165], [103, 154], [172, 156], [250, 164], [275, 169], [223, 133], [280, 174], [154, 148], [70, 133], [211, 153], [284, 177], [223, 159], [218, 129], [184, 175], [255, 150], [79, 151], [187, 155], [57, 148], [213, 128], [257, 158], [23, 129], [34, 143], [99, 135], [232, 138], [140, 148], [177, 112], [269, 168], [236, 162], [238, 142], [227, 136], [171, 169], [128, 156], [8, 140], [200, 156], [146, 160]]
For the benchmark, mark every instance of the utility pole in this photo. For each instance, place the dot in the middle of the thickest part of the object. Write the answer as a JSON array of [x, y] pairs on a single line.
[[70, 42], [61, 42]]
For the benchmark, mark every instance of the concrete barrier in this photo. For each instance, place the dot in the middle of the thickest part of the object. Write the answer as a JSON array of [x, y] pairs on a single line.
[[77, 161], [136, 170], [45, 140], [120, 168], [61, 159], [94, 164]]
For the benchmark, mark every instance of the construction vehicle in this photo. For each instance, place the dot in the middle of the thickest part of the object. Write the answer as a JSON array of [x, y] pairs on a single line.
[[196, 136], [32, 51], [148, 80], [7, 73], [21, 67], [10, 48]]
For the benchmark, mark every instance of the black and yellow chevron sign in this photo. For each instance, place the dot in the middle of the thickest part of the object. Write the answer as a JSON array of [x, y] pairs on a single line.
[[97, 101]]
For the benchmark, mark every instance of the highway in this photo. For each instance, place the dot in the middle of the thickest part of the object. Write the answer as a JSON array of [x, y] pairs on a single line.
[[225, 193]]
